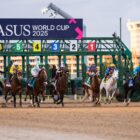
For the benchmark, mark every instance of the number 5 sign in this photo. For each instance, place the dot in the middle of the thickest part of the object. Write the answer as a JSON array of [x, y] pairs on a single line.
[[18, 47], [73, 46]]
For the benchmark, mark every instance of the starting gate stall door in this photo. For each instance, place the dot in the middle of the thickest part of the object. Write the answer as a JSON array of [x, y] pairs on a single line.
[[53, 60]]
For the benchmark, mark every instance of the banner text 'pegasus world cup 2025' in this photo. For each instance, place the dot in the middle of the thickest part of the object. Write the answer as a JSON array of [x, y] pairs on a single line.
[[41, 29]]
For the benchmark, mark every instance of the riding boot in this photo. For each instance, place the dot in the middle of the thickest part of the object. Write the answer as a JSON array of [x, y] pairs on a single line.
[[88, 82]]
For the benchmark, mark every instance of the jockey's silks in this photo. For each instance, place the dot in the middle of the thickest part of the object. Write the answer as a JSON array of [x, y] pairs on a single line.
[[12, 69]]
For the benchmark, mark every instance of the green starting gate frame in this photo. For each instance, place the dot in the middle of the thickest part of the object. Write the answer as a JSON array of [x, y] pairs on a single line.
[[113, 46]]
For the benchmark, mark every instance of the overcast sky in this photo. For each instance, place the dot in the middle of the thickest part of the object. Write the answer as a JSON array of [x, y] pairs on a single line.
[[101, 17]]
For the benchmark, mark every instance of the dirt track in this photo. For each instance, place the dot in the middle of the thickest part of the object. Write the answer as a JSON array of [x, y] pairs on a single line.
[[114, 122]]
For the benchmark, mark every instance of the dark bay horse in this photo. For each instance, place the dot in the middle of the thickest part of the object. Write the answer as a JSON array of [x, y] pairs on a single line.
[[16, 87], [94, 89], [38, 89], [61, 85]]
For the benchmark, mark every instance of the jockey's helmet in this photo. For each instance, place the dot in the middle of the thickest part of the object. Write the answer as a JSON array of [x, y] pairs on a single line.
[[15, 63], [62, 66], [41, 65], [112, 65]]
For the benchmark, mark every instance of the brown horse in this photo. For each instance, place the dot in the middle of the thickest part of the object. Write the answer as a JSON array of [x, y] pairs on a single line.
[[94, 89], [16, 87], [61, 85], [39, 88]]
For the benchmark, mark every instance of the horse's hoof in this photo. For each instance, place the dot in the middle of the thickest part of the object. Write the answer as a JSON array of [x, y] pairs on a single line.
[[3, 105], [62, 104], [127, 104], [110, 102]]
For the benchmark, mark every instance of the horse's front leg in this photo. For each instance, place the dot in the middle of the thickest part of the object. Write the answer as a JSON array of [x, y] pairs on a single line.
[[112, 95], [26, 94], [86, 95], [37, 101], [6, 93], [20, 97], [33, 100], [14, 97], [62, 98], [107, 97], [43, 95]]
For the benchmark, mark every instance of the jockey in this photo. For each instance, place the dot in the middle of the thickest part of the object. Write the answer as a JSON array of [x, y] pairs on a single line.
[[91, 71], [35, 71], [14, 68], [130, 81], [54, 70], [109, 71], [58, 73], [62, 67]]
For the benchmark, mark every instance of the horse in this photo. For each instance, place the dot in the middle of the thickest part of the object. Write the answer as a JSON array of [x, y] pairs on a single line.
[[129, 90], [38, 89], [16, 87], [61, 86], [109, 86], [93, 90]]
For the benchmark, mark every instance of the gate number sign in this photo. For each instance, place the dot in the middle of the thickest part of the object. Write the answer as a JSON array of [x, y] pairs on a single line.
[[55, 47], [73, 46]]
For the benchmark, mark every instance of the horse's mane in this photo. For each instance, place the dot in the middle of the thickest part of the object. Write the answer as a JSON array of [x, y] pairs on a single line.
[[40, 72]]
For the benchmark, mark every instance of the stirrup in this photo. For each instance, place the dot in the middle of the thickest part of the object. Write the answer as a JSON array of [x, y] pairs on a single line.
[[30, 85]]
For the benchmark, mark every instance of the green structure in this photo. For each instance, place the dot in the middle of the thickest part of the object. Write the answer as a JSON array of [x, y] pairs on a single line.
[[105, 46]]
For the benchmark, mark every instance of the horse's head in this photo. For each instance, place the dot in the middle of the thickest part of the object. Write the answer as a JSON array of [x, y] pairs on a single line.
[[42, 74], [115, 74]]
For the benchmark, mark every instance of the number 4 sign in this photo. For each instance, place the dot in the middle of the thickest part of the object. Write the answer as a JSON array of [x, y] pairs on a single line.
[[73, 46], [36, 47]]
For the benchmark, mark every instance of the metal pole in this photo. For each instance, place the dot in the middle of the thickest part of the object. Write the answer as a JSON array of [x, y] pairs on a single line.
[[77, 59], [23, 65], [120, 28]]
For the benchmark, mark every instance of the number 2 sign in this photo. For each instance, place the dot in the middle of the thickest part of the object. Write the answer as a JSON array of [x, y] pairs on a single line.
[[73, 46]]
